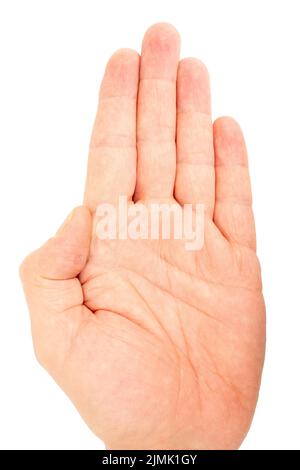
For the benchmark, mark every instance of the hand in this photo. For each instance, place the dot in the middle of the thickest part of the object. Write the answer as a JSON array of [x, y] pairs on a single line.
[[157, 347]]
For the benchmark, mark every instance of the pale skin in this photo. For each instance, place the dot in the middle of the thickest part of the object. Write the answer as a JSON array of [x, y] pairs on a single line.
[[157, 347]]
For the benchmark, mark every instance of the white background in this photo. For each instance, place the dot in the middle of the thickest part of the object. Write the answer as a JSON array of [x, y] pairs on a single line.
[[51, 60]]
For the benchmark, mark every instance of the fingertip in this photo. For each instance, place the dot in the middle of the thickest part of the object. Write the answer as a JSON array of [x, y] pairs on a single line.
[[64, 255], [160, 53], [82, 212], [227, 126], [25, 267], [82, 219], [124, 55], [192, 65], [121, 74], [230, 147], [161, 36], [79, 216], [193, 86]]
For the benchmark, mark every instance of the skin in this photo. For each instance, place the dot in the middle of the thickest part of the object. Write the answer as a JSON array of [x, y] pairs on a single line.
[[157, 347]]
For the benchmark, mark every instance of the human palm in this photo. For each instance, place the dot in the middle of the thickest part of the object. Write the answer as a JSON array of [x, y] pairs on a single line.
[[158, 347]]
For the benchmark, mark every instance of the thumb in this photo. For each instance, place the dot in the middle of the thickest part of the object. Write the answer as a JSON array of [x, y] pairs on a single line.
[[63, 256], [49, 277], [49, 274]]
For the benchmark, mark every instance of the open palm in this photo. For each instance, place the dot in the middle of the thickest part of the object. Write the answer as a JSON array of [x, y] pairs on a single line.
[[158, 347]]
